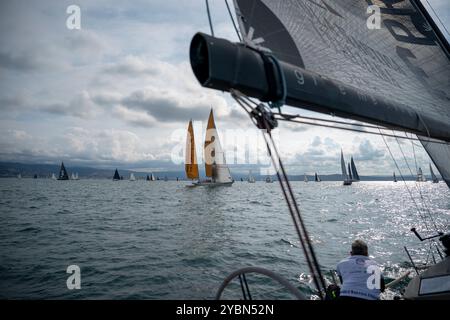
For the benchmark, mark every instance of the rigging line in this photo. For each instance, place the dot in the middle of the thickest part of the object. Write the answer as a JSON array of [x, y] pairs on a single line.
[[406, 185], [290, 200], [209, 17], [423, 198], [347, 129], [443, 25], [232, 20], [415, 184]]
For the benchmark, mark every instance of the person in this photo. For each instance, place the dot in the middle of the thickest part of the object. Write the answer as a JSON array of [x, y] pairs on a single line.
[[357, 274]]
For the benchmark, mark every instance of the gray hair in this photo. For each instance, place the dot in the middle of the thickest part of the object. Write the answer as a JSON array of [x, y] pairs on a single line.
[[359, 248]]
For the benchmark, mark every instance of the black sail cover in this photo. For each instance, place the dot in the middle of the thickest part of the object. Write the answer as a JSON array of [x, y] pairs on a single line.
[[404, 61]]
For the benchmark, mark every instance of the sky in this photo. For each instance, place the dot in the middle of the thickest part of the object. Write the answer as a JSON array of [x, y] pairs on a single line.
[[120, 92]]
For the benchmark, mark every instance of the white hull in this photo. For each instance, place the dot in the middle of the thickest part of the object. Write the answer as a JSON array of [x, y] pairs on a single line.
[[211, 184]]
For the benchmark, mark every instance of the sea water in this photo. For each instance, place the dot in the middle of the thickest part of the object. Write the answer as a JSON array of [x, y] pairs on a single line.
[[163, 240]]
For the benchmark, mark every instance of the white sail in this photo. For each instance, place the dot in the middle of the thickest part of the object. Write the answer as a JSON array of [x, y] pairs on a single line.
[[132, 177], [53, 176], [251, 178], [305, 178], [19, 176], [420, 176], [152, 177]]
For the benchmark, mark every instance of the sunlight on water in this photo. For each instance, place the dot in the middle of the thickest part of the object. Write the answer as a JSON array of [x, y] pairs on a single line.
[[161, 240]]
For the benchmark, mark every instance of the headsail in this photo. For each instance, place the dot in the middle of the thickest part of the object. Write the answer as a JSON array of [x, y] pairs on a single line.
[[215, 165], [395, 76], [350, 176], [440, 154], [191, 165], [354, 171], [344, 170], [116, 176]]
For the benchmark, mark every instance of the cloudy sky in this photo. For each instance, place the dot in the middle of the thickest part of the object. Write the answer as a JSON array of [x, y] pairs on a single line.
[[120, 91]]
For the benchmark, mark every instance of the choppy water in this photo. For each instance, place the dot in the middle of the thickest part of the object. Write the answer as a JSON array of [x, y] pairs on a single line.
[[161, 240]]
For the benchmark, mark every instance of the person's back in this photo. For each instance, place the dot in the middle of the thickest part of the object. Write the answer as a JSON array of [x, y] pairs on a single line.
[[357, 274]]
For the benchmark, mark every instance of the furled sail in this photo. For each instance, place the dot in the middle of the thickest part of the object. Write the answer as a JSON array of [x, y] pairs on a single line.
[[354, 171], [191, 165], [439, 153], [63, 173], [332, 62], [215, 165]]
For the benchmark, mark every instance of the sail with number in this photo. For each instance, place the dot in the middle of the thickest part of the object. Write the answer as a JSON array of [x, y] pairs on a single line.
[[334, 59]]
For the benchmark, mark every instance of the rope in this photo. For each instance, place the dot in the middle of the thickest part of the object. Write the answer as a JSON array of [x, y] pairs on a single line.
[[232, 20], [209, 18], [288, 193]]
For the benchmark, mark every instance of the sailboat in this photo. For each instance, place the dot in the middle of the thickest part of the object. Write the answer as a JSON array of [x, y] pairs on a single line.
[[251, 178], [355, 175], [347, 180], [116, 176], [132, 177], [269, 179], [63, 173], [420, 176], [434, 179], [395, 178], [215, 166], [152, 177], [316, 177], [317, 56], [147, 178], [53, 176], [305, 178], [76, 176], [19, 176]]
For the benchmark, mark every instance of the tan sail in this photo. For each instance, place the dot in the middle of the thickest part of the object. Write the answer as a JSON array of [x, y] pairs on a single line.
[[210, 152], [191, 165]]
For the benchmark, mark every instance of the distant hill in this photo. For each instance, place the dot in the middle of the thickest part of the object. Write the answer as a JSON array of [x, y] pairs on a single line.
[[11, 169]]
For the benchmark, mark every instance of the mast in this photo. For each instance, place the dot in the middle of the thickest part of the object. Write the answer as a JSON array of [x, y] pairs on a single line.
[[395, 178], [191, 166]]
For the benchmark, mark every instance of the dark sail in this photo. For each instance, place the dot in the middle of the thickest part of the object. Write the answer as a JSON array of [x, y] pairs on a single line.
[[148, 178], [116, 176], [396, 76], [350, 175], [354, 171], [63, 173]]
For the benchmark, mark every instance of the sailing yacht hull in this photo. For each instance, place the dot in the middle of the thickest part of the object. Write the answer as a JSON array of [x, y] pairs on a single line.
[[213, 184], [347, 183]]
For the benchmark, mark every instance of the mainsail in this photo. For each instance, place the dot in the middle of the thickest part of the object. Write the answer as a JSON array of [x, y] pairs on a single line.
[[316, 177], [402, 61], [350, 176], [215, 165], [344, 170], [434, 179], [63, 173], [191, 166], [116, 175], [354, 171]]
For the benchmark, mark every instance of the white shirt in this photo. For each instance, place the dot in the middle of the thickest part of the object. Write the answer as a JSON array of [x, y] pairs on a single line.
[[353, 271]]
